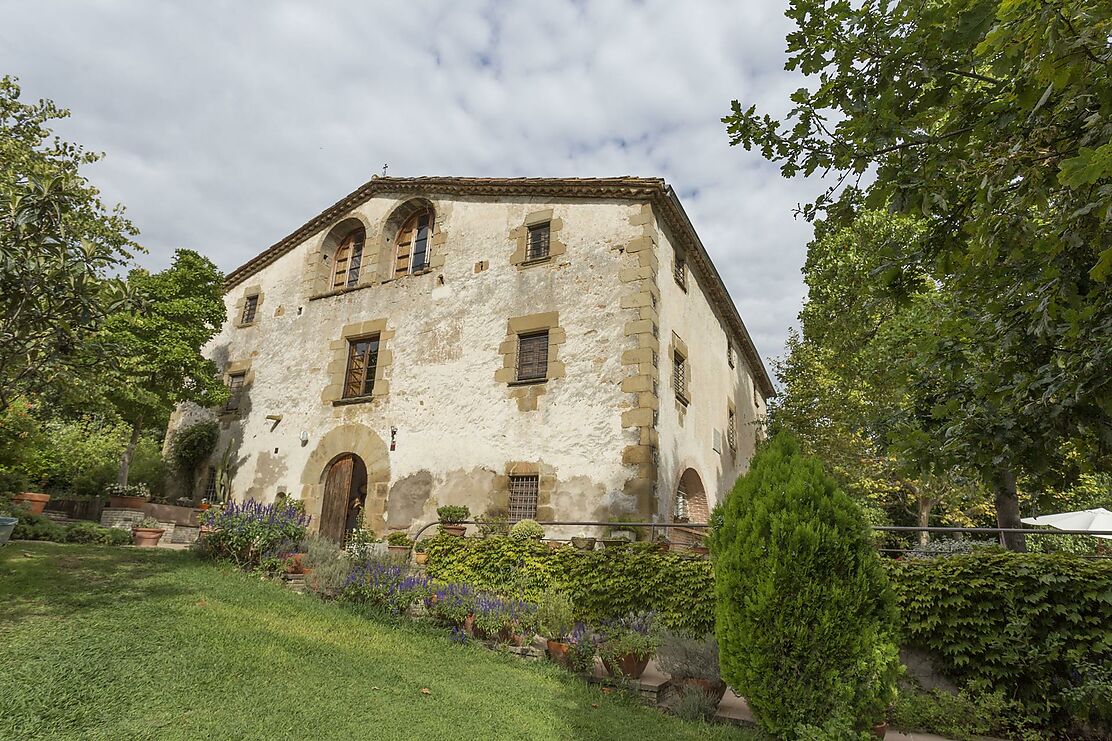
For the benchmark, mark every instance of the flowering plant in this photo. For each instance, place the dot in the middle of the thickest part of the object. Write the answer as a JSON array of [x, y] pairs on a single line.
[[385, 586], [249, 531], [451, 604], [501, 617], [633, 634], [128, 490], [582, 647]]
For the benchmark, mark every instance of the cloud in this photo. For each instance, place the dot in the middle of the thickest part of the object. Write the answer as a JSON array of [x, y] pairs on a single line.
[[228, 124]]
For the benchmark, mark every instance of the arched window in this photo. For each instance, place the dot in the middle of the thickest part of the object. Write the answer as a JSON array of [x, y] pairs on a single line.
[[411, 245], [349, 257]]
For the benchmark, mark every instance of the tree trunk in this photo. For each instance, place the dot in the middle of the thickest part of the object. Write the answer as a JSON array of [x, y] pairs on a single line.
[[1007, 510], [923, 517], [129, 452]]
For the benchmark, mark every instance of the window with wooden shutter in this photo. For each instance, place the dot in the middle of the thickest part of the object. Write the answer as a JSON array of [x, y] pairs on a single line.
[[679, 376], [523, 497], [537, 244], [250, 308], [349, 259], [411, 246], [236, 383], [532, 356], [359, 380]]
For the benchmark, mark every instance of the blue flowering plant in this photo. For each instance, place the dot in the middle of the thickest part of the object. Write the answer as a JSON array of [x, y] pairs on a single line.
[[633, 635], [582, 647], [451, 604], [248, 532], [503, 618], [384, 586]]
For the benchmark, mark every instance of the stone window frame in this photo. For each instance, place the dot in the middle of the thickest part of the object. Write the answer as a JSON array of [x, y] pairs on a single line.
[[394, 220], [333, 392], [237, 368], [526, 392], [241, 304], [546, 487], [320, 265], [519, 235]]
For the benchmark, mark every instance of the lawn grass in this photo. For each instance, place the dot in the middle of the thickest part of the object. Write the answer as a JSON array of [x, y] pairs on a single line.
[[113, 643]]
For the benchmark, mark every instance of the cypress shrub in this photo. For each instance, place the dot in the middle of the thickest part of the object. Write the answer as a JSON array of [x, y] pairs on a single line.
[[805, 618]]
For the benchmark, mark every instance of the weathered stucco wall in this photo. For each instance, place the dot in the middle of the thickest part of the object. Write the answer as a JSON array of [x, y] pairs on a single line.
[[689, 435], [457, 428]]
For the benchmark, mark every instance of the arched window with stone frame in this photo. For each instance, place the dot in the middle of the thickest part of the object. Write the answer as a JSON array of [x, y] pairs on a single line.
[[409, 237], [348, 259]]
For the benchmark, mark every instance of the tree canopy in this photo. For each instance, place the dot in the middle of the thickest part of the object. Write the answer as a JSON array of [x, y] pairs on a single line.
[[991, 122]]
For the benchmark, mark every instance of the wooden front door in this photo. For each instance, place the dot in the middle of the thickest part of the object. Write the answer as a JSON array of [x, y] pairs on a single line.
[[337, 492]]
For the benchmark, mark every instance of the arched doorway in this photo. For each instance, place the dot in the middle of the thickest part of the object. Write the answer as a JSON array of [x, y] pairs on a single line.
[[345, 493], [690, 506]]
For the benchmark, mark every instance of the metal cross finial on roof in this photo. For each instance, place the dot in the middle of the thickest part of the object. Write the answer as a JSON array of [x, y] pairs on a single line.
[[384, 166]]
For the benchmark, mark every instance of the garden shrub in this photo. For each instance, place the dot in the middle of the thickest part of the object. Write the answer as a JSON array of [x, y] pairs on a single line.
[[527, 530], [90, 532], [689, 657], [384, 586], [249, 532], [1023, 622], [805, 616], [37, 527], [976, 710], [602, 584], [192, 446]]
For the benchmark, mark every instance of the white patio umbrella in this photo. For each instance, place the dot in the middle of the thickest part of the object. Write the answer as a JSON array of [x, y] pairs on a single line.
[[1086, 519]]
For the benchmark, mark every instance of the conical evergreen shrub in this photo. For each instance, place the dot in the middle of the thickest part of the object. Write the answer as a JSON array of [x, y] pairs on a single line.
[[804, 614]]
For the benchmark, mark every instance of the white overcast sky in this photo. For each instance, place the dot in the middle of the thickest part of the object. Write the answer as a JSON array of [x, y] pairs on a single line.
[[226, 125]]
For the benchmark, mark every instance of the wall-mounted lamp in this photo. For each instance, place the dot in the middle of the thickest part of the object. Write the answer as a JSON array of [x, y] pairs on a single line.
[[304, 437]]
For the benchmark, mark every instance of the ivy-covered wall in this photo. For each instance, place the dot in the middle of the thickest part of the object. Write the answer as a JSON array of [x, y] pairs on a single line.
[[1020, 621]]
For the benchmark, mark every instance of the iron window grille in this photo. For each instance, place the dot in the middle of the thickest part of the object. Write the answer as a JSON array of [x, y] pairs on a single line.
[[236, 383], [679, 271], [537, 246], [730, 354], [250, 308], [532, 356], [679, 376], [731, 429], [210, 484], [359, 380], [524, 492]]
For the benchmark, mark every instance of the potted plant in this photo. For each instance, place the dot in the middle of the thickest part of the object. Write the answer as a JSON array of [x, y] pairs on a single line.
[[583, 542], [128, 496], [628, 645], [204, 505], [398, 543], [555, 620], [582, 647], [451, 516], [420, 552], [146, 533], [527, 530], [884, 673], [692, 664], [34, 501]]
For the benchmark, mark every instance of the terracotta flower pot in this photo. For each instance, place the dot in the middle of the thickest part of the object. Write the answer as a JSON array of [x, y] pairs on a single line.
[[558, 652], [880, 729], [401, 551], [469, 625], [203, 506], [146, 537], [296, 567], [35, 501], [421, 558], [712, 689], [457, 530], [630, 666], [126, 502]]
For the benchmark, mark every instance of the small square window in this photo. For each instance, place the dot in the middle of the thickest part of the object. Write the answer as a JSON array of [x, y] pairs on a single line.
[[679, 271], [537, 244], [730, 354], [250, 308], [523, 497], [532, 356]]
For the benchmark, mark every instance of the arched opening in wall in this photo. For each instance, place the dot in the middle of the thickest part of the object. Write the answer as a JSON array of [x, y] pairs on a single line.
[[342, 251], [689, 506], [345, 494], [409, 234]]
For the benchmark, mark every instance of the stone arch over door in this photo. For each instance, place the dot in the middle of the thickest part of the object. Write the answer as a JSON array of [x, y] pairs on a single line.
[[345, 494], [348, 439], [689, 506]]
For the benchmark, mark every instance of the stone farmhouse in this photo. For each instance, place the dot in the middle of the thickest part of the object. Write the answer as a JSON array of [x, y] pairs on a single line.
[[548, 348]]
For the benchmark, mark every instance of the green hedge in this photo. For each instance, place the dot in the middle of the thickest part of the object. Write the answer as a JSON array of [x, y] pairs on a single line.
[[602, 584], [1020, 621], [1023, 622]]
